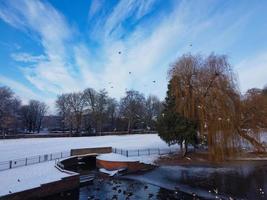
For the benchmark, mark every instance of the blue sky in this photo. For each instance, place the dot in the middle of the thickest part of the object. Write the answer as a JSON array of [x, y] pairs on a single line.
[[52, 47]]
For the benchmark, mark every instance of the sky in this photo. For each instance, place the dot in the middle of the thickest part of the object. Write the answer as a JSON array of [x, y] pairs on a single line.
[[58, 46]]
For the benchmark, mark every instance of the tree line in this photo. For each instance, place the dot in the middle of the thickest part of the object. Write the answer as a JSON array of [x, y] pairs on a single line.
[[94, 111], [88, 111], [15, 117]]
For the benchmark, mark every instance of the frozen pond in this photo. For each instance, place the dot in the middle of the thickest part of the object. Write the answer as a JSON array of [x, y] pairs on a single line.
[[243, 180], [239, 180]]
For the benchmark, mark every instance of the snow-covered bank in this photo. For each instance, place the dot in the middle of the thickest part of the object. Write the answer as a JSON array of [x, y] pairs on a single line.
[[21, 148], [28, 177], [147, 159]]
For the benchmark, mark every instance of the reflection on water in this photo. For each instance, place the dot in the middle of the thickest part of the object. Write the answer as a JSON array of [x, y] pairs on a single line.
[[234, 181], [239, 180], [127, 189]]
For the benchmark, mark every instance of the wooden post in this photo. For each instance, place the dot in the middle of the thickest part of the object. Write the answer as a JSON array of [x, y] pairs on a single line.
[[39, 158], [51, 156], [138, 152], [127, 153], [148, 151], [26, 161], [10, 164], [61, 155]]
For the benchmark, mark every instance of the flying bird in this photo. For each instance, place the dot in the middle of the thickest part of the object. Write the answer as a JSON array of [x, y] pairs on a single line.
[[119, 52], [130, 72]]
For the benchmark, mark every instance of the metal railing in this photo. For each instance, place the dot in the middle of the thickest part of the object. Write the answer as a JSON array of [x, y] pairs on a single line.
[[145, 152], [5, 165]]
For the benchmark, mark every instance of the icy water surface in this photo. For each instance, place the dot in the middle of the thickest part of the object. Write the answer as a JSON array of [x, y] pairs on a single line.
[[243, 180], [110, 188], [234, 181]]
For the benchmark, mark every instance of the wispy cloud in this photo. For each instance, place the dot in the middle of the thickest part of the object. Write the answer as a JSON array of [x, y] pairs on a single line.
[[52, 74], [95, 7], [25, 57], [19, 88], [70, 64]]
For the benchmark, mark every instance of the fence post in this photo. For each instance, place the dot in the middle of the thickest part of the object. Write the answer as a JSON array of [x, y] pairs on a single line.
[[10, 164], [148, 151], [61, 155], [121, 152], [127, 153], [138, 152], [51, 156], [39, 158], [26, 161]]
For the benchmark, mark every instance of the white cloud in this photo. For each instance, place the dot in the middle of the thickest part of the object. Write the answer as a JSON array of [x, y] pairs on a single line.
[[146, 51], [53, 74]]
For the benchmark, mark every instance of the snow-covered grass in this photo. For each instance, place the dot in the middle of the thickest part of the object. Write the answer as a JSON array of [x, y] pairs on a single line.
[[28, 177], [22, 178], [21, 148]]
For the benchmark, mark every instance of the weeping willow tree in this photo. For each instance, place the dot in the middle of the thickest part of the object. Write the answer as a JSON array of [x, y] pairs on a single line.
[[206, 91]]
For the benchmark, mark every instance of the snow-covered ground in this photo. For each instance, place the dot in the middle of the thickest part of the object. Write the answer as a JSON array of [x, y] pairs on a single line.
[[32, 176], [21, 148], [23, 178]]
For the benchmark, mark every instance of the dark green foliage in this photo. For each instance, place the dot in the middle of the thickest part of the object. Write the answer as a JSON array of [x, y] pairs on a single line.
[[173, 127]]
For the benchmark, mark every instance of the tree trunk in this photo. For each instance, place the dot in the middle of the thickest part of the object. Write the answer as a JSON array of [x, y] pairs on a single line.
[[181, 147], [255, 143], [185, 149], [129, 125]]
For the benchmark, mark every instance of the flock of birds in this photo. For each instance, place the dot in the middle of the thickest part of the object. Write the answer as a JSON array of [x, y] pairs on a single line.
[[119, 52], [130, 73]]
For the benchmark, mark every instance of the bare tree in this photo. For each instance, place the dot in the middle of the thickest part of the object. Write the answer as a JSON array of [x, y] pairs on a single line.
[[112, 111], [101, 109], [132, 107], [9, 110], [63, 109], [76, 103], [90, 100], [32, 115], [153, 108]]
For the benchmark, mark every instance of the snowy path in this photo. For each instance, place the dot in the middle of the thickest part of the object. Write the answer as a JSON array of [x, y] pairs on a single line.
[[21, 148]]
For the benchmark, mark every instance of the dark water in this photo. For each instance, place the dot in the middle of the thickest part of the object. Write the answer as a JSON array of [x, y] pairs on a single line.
[[234, 181], [246, 180], [110, 188]]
